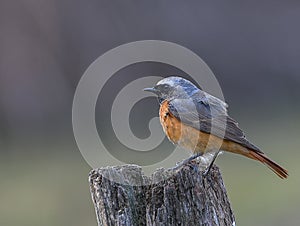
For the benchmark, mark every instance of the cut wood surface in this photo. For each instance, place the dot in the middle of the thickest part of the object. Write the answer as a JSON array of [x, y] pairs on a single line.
[[181, 198]]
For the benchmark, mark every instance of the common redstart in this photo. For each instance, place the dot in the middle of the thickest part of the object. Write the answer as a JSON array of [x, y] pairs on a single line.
[[199, 122]]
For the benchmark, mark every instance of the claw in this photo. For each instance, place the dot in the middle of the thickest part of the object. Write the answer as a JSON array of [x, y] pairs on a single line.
[[211, 164], [186, 161]]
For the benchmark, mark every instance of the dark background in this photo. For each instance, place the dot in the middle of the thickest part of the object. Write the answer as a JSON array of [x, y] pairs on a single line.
[[45, 47]]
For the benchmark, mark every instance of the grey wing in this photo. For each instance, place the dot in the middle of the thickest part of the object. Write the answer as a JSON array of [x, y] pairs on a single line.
[[209, 117]]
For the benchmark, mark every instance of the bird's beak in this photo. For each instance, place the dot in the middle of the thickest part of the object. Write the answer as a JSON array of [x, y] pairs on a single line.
[[152, 90]]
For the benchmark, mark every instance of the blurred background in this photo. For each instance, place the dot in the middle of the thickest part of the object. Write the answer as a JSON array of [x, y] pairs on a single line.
[[252, 47]]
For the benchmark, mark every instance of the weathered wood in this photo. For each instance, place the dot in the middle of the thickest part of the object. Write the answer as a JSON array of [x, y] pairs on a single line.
[[183, 198]]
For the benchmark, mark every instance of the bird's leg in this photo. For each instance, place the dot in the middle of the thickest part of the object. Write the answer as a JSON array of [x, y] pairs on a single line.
[[186, 161], [211, 164]]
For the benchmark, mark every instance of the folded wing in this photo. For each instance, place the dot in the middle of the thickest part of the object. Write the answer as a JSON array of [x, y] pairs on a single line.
[[209, 114]]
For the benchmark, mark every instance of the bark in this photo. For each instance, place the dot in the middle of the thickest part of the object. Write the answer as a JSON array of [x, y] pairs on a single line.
[[182, 198]]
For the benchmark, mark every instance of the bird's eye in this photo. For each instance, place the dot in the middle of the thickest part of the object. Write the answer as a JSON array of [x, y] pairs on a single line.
[[165, 86]]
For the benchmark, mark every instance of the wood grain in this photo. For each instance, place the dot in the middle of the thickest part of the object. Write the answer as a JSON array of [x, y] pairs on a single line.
[[182, 198]]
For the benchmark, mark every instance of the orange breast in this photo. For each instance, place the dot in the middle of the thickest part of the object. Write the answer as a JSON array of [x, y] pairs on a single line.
[[171, 126], [186, 136]]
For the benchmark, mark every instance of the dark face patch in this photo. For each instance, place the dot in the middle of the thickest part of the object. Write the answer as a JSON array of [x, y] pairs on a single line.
[[163, 88], [164, 91], [174, 88]]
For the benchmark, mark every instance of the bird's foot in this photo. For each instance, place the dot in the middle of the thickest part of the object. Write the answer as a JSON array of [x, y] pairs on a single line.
[[186, 161], [205, 173]]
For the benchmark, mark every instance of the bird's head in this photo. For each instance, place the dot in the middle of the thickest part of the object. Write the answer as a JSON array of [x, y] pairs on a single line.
[[173, 87]]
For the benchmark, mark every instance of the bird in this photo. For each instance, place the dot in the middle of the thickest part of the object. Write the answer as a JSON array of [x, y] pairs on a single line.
[[199, 122]]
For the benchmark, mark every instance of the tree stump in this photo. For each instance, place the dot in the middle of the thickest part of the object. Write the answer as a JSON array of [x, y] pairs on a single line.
[[181, 198]]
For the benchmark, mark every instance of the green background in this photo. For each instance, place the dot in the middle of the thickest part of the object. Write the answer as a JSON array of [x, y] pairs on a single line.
[[252, 47]]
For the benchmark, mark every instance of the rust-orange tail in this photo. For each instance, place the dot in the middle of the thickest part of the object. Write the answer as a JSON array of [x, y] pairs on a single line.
[[281, 172]]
